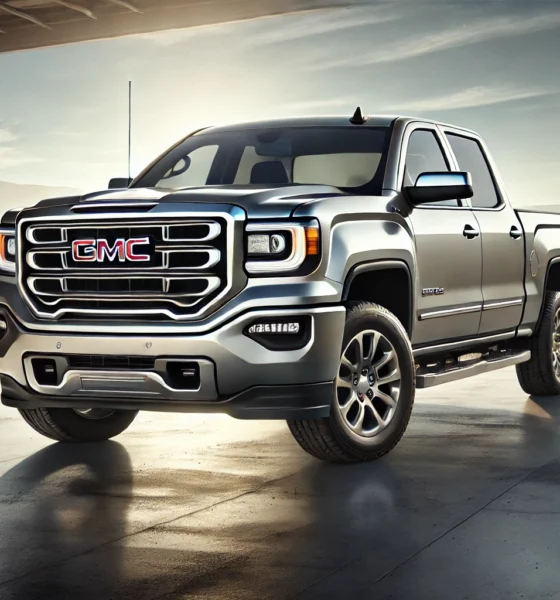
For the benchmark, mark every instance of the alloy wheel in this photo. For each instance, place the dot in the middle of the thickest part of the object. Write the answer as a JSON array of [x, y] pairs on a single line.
[[556, 344], [368, 384]]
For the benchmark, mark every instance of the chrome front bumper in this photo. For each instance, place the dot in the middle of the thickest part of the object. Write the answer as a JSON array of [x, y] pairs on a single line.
[[232, 367]]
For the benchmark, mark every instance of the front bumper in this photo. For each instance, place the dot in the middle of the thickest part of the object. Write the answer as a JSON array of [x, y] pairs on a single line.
[[238, 375]]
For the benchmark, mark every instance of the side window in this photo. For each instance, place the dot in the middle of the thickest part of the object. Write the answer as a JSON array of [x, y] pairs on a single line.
[[191, 170], [424, 154], [471, 158]]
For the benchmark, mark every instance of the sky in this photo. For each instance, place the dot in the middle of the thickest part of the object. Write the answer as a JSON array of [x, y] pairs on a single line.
[[489, 65]]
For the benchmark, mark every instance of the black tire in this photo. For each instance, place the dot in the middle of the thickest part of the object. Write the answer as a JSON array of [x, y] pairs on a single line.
[[329, 439], [67, 425], [537, 376]]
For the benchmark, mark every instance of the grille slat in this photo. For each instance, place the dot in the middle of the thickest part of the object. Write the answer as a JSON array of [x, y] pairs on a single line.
[[182, 268], [100, 361]]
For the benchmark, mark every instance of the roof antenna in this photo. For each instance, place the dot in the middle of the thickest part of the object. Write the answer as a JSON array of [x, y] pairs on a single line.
[[129, 128], [358, 118]]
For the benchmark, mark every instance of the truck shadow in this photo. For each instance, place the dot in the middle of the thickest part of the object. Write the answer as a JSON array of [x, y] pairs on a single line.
[[60, 502], [284, 536]]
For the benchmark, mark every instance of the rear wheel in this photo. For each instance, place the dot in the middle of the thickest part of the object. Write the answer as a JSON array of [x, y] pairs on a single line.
[[540, 376], [374, 391], [78, 425]]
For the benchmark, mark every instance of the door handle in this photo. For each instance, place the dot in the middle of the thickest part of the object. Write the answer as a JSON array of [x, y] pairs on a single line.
[[470, 232], [515, 233]]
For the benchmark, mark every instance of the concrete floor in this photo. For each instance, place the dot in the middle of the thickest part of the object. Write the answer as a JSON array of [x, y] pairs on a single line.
[[467, 507]]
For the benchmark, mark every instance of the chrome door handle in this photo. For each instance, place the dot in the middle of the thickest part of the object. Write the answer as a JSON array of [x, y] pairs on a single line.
[[470, 232], [515, 233]]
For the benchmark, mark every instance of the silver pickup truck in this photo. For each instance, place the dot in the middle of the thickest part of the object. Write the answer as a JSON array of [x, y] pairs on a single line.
[[313, 270]]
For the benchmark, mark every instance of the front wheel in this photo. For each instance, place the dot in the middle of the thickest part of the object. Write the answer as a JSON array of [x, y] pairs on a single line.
[[374, 391], [78, 425]]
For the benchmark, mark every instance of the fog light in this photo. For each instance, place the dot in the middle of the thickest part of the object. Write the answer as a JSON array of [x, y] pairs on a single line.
[[275, 328], [281, 333], [3, 325]]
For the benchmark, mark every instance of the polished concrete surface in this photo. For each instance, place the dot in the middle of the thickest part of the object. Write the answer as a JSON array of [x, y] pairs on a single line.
[[467, 507]]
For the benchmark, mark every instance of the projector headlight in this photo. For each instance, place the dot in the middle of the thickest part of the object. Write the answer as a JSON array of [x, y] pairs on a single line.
[[274, 248], [7, 251]]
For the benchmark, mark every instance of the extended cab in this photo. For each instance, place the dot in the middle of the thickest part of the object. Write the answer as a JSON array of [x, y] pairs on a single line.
[[314, 270]]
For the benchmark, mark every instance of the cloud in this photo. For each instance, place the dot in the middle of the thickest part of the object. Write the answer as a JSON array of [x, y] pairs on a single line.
[[471, 98], [323, 105], [10, 155], [332, 20], [6, 136], [454, 37]]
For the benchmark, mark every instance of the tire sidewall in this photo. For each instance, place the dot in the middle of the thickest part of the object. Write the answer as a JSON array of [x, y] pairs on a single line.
[[389, 326], [91, 430]]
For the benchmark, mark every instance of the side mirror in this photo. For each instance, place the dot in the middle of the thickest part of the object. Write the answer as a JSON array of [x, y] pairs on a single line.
[[437, 187], [119, 183]]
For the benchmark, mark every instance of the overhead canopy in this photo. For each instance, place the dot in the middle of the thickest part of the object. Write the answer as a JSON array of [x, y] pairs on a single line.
[[26, 24]]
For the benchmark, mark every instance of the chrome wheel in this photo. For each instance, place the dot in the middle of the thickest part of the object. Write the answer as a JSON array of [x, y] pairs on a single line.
[[368, 384], [94, 414], [556, 344]]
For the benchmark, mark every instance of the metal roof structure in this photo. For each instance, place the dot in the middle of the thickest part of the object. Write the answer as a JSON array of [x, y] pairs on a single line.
[[26, 24]]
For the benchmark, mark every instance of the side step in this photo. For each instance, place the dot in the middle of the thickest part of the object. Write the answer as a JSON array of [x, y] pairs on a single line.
[[446, 375]]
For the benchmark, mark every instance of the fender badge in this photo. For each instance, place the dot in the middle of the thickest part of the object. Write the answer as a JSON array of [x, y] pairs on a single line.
[[433, 291]]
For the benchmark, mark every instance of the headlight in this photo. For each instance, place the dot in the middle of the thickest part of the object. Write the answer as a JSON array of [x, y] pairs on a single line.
[[7, 251], [276, 248]]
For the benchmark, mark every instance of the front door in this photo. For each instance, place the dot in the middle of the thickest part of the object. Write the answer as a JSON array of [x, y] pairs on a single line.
[[448, 252]]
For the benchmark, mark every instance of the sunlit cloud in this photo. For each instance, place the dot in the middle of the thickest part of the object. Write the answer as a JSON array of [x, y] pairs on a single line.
[[177, 36], [455, 37], [330, 21], [322, 106], [6, 136], [10, 154], [11, 157], [471, 98]]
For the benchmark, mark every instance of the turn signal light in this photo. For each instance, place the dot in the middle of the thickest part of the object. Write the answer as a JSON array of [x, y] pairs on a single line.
[[312, 241], [7, 252]]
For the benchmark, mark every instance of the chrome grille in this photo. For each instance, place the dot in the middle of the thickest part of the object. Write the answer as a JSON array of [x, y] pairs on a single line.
[[184, 268]]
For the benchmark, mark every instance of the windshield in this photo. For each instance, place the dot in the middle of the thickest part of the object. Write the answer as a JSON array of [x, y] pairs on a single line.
[[344, 157]]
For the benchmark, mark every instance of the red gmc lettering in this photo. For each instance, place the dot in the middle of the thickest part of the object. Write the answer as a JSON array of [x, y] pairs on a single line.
[[103, 249], [99, 250], [84, 250], [129, 248]]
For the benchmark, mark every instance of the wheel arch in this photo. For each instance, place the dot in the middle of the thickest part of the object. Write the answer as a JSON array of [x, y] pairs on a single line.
[[388, 283]]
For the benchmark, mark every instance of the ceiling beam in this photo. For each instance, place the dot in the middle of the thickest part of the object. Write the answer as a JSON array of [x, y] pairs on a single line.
[[22, 15], [127, 5], [76, 7]]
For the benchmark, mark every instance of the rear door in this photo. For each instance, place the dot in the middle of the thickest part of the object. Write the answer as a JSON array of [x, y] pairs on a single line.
[[448, 248], [503, 253]]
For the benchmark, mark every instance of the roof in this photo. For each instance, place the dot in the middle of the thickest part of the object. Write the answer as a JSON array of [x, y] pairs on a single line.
[[26, 24], [318, 121], [329, 121]]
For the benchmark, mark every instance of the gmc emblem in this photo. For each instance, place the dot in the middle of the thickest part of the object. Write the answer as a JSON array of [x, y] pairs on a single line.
[[99, 250]]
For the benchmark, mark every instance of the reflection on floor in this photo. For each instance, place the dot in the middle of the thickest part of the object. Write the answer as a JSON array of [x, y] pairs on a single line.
[[208, 507]]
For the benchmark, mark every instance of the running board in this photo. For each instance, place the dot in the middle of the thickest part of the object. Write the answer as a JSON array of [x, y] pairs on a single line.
[[426, 380]]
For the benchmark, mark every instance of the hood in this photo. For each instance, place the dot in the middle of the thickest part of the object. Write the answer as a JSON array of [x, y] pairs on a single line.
[[257, 201]]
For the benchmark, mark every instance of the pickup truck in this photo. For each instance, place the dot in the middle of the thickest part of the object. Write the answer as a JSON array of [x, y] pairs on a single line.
[[315, 270]]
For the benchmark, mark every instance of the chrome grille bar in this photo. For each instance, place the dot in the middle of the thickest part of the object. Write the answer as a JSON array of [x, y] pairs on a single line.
[[213, 258], [188, 266], [64, 292]]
